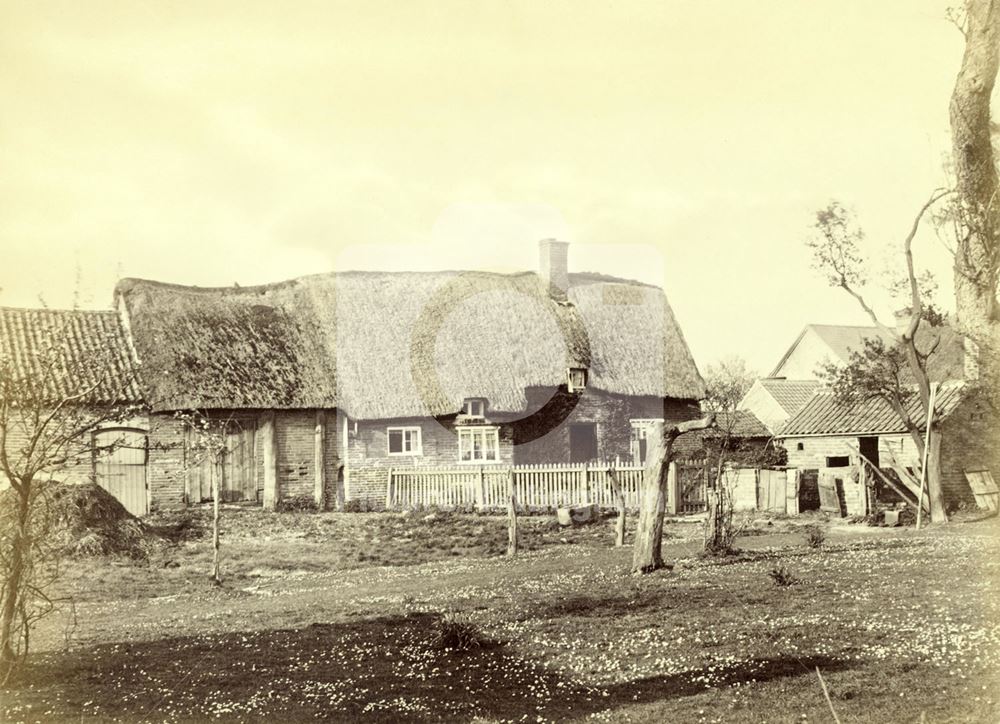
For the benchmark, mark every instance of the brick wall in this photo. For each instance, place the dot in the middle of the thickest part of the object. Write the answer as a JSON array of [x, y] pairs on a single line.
[[165, 474], [369, 460], [970, 439], [612, 415]]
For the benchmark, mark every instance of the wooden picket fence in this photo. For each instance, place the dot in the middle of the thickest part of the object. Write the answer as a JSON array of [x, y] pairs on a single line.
[[538, 487]]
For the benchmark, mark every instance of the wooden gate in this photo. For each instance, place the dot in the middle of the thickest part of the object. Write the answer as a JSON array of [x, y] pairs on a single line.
[[233, 467], [771, 490], [120, 467]]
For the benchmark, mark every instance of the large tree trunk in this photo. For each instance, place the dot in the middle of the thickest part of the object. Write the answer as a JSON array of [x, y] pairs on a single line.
[[647, 553], [12, 586], [978, 249]]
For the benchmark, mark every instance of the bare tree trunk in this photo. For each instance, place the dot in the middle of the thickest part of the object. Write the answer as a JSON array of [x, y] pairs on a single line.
[[977, 253], [647, 553], [216, 578], [511, 515], [12, 586]]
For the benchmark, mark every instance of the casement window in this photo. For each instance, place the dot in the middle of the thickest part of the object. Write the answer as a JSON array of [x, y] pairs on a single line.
[[474, 408], [405, 441], [576, 379], [478, 444], [641, 428]]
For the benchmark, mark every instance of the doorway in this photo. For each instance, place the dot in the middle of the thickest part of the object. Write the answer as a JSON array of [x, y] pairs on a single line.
[[582, 442]]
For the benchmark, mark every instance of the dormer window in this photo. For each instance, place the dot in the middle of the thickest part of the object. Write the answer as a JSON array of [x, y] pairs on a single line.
[[576, 379], [474, 408]]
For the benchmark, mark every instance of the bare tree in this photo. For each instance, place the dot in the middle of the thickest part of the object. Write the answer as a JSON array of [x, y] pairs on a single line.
[[206, 440], [877, 372], [647, 554], [726, 383], [976, 208], [52, 401]]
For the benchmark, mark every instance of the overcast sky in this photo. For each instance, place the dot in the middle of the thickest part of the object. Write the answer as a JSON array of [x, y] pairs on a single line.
[[684, 143]]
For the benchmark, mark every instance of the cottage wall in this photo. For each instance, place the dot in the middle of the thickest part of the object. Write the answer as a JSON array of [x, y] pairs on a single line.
[[970, 440], [165, 476], [806, 358], [612, 415], [815, 450], [369, 461]]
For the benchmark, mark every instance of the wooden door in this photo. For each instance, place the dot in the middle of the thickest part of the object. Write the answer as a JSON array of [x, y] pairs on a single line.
[[232, 467], [120, 467]]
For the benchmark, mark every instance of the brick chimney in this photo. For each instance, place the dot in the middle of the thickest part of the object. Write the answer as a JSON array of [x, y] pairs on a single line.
[[552, 267]]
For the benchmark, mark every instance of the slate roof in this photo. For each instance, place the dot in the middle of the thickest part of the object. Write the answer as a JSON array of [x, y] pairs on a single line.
[[822, 415], [791, 395], [70, 352], [947, 362]]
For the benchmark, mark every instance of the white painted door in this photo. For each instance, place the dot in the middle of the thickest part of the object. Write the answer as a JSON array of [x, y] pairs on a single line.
[[120, 467]]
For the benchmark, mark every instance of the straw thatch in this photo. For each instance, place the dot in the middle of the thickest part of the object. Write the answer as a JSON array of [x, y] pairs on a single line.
[[384, 345]]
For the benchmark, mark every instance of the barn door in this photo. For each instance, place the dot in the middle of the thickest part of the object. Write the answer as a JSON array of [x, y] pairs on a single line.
[[231, 466], [120, 467]]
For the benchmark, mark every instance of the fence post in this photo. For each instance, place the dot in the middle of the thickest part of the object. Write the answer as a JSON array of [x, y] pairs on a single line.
[[388, 489], [673, 490], [511, 514], [481, 489], [586, 483], [616, 491]]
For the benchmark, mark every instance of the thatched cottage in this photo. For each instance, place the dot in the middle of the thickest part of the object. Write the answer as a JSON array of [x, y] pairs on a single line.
[[329, 381]]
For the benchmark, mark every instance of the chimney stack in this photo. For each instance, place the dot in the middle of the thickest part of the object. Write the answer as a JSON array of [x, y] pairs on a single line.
[[552, 267]]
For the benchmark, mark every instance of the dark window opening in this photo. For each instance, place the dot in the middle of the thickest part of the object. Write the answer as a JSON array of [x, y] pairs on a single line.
[[869, 449], [582, 442], [800, 446], [838, 461]]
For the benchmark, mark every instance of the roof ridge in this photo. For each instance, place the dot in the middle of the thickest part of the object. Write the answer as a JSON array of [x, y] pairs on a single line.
[[5, 308]]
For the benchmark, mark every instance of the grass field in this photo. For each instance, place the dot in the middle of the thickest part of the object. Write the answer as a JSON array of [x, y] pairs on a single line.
[[339, 616]]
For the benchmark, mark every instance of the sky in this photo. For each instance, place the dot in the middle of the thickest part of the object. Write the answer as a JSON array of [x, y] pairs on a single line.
[[685, 143]]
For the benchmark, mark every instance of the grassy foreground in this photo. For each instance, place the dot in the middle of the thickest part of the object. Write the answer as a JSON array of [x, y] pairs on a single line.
[[313, 624]]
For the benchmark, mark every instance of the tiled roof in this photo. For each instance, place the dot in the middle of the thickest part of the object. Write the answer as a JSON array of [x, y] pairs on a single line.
[[741, 423], [71, 352], [823, 415], [790, 394]]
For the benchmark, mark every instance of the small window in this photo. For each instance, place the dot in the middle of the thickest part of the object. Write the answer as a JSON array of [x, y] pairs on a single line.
[[800, 446], [838, 461], [474, 407], [405, 441], [577, 379], [478, 445]]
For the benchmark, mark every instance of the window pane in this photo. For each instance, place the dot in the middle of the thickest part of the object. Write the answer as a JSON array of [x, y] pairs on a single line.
[[395, 441]]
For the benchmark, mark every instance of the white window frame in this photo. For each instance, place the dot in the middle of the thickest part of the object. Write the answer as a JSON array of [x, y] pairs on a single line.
[[413, 451], [472, 430], [640, 427], [570, 385], [469, 404]]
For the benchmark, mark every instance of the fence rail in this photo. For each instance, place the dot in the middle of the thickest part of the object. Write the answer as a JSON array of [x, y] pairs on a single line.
[[537, 486]]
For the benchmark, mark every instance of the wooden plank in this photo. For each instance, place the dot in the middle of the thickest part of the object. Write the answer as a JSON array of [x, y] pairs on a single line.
[[319, 461], [270, 455], [984, 488]]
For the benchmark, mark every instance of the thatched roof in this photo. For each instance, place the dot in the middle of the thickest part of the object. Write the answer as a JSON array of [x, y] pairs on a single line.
[[384, 345], [69, 353]]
